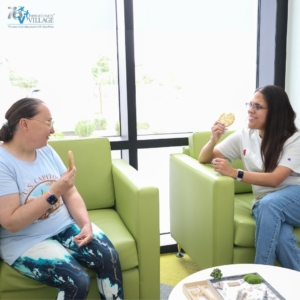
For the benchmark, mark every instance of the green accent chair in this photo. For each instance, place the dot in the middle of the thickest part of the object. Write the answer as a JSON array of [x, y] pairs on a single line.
[[123, 205], [210, 214]]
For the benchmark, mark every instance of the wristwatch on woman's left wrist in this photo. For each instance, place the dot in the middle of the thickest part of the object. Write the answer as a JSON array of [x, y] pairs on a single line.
[[51, 198], [239, 175]]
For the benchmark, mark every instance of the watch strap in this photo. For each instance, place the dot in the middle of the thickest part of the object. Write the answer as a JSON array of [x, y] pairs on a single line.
[[47, 194]]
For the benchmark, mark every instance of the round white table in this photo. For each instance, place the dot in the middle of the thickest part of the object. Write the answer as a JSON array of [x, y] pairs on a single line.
[[285, 281]]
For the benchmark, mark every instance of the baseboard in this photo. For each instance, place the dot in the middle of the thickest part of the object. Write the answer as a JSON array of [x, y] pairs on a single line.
[[168, 249]]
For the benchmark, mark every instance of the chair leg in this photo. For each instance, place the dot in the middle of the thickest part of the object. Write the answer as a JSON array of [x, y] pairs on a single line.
[[179, 253]]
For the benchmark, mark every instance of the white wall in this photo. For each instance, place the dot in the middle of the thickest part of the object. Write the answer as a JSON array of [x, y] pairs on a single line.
[[292, 83]]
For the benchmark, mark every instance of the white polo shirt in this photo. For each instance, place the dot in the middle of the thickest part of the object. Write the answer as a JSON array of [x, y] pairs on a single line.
[[245, 145]]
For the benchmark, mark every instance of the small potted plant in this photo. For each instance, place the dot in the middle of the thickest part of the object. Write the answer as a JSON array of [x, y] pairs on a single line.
[[217, 274]]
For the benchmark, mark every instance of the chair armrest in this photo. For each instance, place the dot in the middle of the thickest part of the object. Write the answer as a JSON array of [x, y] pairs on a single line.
[[137, 203], [201, 211]]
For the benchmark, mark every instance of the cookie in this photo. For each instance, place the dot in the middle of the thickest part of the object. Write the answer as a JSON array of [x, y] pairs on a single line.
[[70, 160], [227, 119]]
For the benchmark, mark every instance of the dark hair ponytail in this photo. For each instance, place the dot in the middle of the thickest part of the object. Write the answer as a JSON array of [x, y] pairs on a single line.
[[5, 133]]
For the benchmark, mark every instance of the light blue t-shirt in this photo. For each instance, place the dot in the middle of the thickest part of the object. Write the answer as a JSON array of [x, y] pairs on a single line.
[[31, 180]]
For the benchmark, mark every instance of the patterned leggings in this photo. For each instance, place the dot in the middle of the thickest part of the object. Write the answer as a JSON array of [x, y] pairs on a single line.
[[55, 262]]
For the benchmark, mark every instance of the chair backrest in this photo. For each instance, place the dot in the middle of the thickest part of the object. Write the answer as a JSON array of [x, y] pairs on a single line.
[[197, 141], [92, 158]]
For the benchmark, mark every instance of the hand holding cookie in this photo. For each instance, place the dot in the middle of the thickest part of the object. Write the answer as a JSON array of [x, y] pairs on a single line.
[[70, 160], [227, 119]]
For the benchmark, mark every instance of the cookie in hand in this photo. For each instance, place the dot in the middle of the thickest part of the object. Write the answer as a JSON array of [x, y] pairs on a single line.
[[227, 119], [70, 160]]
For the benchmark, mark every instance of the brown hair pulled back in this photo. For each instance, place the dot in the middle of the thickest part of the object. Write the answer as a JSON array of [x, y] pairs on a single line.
[[23, 108]]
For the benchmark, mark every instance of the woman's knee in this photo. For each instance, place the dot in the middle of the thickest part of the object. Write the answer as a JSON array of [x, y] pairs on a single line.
[[266, 200], [271, 202], [75, 286]]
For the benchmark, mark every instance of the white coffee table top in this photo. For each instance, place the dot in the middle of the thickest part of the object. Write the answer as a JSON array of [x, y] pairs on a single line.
[[285, 281]]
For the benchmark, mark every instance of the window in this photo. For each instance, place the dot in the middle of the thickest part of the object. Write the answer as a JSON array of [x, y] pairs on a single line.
[[66, 55], [154, 165], [195, 59]]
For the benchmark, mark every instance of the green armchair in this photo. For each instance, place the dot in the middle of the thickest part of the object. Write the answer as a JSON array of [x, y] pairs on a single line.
[[122, 205], [210, 214]]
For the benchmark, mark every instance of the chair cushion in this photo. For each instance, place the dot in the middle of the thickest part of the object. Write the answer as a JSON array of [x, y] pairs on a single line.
[[110, 222], [244, 224]]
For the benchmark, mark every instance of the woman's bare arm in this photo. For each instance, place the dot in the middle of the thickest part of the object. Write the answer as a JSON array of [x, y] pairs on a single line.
[[78, 211], [208, 152], [272, 179], [14, 216]]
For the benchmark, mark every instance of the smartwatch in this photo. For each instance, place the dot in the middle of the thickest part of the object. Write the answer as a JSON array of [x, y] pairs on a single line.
[[239, 175], [51, 198]]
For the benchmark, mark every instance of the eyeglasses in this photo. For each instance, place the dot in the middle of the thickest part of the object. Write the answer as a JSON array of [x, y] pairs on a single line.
[[49, 123], [255, 106]]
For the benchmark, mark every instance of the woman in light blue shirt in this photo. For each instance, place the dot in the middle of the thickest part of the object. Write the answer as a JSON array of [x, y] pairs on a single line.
[[44, 221]]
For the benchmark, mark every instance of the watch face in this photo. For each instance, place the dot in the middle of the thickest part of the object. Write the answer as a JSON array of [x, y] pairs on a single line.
[[240, 174], [52, 199]]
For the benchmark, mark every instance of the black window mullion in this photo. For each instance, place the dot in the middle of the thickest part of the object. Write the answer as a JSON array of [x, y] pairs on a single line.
[[126, 74], [131, 90], [281, 42]]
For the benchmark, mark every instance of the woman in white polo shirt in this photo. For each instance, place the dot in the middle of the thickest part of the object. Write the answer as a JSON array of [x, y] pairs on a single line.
[[270, 151]]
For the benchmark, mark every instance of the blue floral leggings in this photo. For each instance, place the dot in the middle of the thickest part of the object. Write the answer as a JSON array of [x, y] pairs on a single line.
[[56, 262]]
